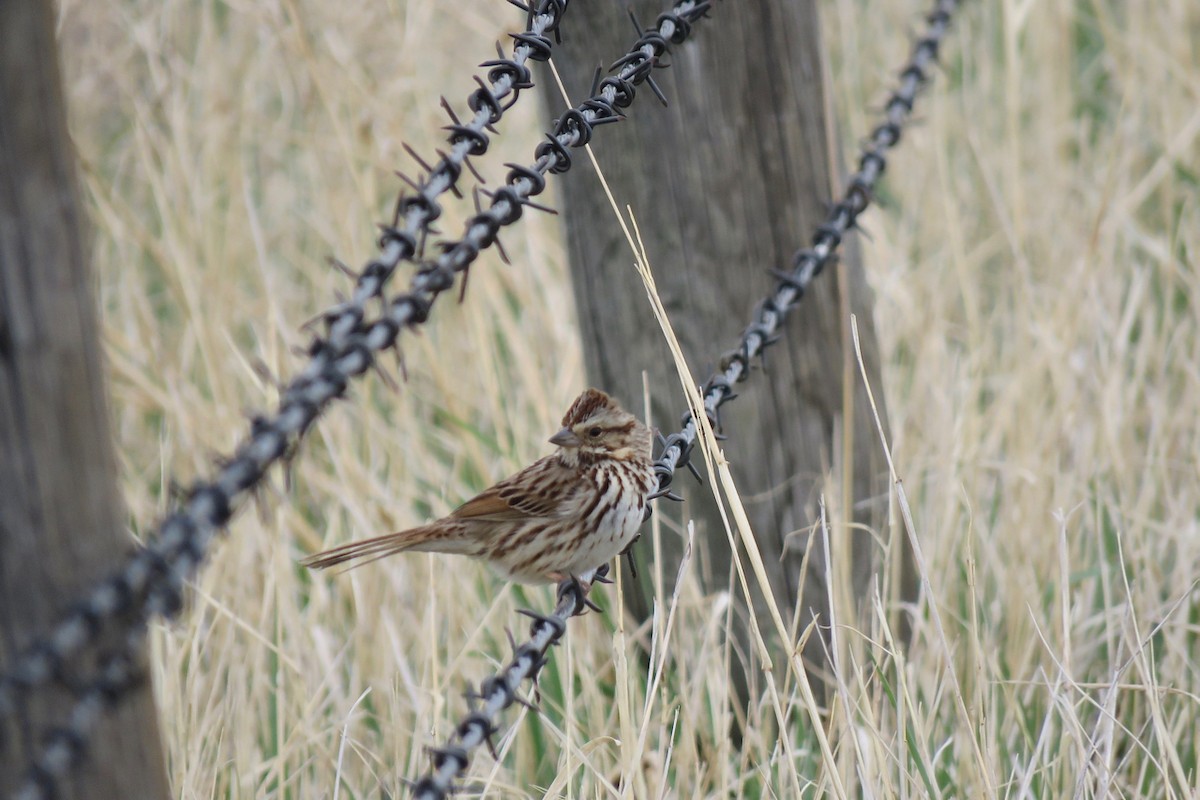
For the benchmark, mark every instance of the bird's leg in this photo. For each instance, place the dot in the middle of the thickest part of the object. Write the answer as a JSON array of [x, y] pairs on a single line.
[[628, 553]]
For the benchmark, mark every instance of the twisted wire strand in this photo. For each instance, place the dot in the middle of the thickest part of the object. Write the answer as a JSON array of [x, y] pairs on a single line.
[[573, 129], [499, 691], [152, 580], [184, 536], [65, 746], [807, 263], [403, 239]]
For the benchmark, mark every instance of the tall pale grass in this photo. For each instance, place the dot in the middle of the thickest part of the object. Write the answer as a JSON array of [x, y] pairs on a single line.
[[1034, 258]]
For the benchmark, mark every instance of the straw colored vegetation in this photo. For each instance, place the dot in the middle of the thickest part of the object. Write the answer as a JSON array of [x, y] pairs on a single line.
[[1034, 258]]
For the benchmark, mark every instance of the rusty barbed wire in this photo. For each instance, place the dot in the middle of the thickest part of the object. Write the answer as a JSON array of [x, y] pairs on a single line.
[[808, 263], [151, 582]]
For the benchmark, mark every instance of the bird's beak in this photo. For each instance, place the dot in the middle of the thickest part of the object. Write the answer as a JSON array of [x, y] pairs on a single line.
[[565, 438]]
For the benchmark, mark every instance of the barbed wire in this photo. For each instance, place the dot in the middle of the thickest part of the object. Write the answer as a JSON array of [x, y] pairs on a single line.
[[185, 535], [808, 263], [152, 580], [66, 745], [572, 130], [157, 571], [499, 690], [404, 239]]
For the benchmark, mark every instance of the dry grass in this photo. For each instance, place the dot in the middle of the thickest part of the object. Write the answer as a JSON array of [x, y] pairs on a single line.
[[1035, 266]]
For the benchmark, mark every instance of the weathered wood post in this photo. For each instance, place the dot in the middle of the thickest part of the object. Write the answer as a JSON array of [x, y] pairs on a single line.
[[61, 521], [727, 182]]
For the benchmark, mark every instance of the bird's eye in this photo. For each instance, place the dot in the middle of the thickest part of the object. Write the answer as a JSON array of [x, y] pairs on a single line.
[[594, 432]]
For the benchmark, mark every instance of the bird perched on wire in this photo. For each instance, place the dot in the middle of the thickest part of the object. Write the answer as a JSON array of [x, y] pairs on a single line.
[[560, 518]]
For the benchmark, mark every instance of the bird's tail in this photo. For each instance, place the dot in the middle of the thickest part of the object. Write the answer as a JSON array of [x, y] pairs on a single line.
[[436, 538]]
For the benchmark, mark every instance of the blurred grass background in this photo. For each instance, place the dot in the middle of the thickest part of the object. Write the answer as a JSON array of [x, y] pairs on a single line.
[[1034, 258]]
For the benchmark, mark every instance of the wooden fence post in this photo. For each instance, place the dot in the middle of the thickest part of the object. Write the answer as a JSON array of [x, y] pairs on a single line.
[[728, 181], [62, 526]]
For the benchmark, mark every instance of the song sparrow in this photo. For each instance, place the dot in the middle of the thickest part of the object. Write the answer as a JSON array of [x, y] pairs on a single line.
[[559, 518]]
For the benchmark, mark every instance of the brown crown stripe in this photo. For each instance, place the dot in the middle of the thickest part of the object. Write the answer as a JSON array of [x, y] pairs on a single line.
[[587, 405]]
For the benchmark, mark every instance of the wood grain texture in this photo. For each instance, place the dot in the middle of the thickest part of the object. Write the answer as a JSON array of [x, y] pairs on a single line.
[[61, 522], [729, 181]]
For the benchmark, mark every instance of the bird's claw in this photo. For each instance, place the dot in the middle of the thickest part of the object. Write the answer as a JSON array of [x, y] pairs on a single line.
[[579, 588]]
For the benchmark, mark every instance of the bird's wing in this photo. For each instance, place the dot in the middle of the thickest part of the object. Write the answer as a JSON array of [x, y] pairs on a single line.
[[543, 489]]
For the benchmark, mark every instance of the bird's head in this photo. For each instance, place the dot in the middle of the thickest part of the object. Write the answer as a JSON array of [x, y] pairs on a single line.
[[595, 426]]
